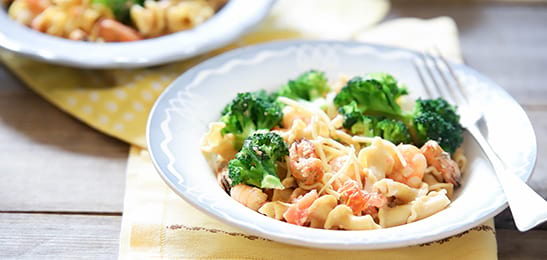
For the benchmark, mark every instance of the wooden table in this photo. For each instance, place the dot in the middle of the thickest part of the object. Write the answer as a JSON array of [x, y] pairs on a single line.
[[62, 182]]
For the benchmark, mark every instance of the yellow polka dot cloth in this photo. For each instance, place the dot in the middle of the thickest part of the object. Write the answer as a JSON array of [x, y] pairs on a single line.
[[117, 102]]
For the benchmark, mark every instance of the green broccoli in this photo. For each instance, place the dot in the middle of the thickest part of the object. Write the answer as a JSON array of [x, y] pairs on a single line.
[[351, 114], [375, 94], [308, 86], [436, 119], [394, 131], [249, 112], [364, 125], [255, 164], [369, 107], [358, 124], [120, 8], [438, 106]]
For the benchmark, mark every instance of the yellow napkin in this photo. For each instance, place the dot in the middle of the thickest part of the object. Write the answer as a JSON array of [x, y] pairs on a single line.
[[157, 223], [117, 102]]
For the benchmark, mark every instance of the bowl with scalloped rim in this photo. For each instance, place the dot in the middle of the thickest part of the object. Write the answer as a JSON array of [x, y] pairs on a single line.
[[182, 113]]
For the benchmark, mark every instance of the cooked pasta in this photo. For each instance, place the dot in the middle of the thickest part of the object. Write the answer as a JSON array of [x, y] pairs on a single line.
[[217, 143], [309, 168], [111, 21], [342, 217], [274, 209], [320, 210]]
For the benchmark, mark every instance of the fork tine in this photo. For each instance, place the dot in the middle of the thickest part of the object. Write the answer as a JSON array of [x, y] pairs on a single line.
[[449, 91], [458, 90], [420, 75], [436, 84]]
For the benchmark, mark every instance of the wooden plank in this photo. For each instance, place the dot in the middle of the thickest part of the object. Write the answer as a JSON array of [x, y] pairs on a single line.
[[51, 162], [8, 82], [45, 236], [515, 245], [539, 178], [504, 42]]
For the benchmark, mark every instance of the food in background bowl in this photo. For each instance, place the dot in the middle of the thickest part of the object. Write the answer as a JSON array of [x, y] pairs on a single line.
[[346, 157], [111, 20]]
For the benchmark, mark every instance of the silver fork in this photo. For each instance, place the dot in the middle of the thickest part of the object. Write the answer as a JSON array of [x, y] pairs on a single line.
[[528, 208]]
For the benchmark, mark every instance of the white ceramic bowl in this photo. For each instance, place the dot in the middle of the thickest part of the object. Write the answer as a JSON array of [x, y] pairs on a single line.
[[237, 17], [181, 115]]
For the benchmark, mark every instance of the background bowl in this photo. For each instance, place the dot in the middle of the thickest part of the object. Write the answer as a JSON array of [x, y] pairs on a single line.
[[181, 116], [235, 18]]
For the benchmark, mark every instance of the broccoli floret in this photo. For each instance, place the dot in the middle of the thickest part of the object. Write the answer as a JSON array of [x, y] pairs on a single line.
[[120, 8], [366, 102], [369, 108], [255, 164], [375, 94], [365, 126], [440, 107], [436, 119], [358, 124], [308, 86], [249, 112], [351, 114], [269, 143], [394, 131]]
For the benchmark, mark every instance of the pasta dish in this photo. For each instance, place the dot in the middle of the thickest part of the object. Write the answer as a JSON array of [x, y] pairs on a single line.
[[355, 154], [111, 20]]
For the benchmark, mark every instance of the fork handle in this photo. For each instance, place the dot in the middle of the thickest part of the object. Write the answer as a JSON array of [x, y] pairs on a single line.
[[529, 209]]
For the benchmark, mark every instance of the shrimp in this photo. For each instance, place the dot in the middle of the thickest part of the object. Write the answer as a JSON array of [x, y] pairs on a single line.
[[442, 162], [251, 197], [111, 30], [38, 6], [360, 200], [298, 213], [304, 163], [413, 173], [337, 163]]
